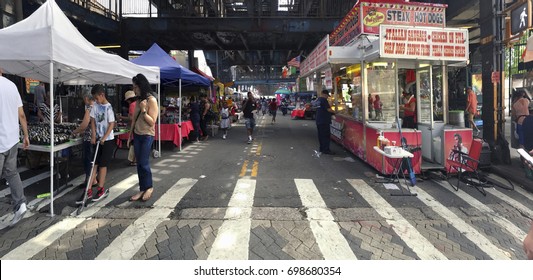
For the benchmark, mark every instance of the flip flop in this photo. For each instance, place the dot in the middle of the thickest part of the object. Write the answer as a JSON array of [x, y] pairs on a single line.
[[147, 194], [137, 196]]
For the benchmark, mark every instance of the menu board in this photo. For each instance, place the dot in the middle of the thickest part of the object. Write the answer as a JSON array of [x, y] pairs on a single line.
[[424, 43]]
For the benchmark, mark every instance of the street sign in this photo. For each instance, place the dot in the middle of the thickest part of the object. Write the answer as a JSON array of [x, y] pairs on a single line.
[[521, 18]]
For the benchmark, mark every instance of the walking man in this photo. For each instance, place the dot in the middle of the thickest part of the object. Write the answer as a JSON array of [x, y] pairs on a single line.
[[249, 106], [11, 114], [471, 108], [323, 121]]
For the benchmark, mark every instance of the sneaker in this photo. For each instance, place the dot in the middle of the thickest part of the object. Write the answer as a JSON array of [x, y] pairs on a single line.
[[249, 141], [88, 199], [101, 194], [19, 214], [224, 136]]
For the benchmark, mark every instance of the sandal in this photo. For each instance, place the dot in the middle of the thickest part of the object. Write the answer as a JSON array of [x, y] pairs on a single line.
[[137, 196], [132, 163], [147, 194]]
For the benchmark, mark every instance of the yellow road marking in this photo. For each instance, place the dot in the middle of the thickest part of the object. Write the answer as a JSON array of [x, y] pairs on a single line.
[[254, 168], [258, 151], [244, 168]]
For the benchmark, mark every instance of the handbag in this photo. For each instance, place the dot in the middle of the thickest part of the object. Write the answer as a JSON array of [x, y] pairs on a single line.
[[131, 154]]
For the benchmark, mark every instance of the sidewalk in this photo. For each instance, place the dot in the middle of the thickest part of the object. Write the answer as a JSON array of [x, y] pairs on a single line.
[[514, 171]]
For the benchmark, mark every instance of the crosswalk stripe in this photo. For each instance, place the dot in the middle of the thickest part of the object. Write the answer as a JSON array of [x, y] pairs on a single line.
[[26, 183], [331, 242], [503, 222], [40, 202], [408, 233], [233, 236], [114, 192], [128, 243], [468, 231], [33, 246], [521, 207], [524, 193]]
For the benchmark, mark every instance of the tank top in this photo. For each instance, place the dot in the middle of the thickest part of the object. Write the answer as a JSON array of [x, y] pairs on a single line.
[[141, 126]]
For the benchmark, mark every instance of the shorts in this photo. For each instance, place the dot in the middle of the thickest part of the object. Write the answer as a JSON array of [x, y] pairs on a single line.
[[250, 123], [470, 116], [273, 113], [105, 153]]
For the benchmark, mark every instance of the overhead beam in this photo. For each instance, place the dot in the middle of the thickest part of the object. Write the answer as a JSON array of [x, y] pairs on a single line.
[[455, 7], [88, 17], [237, 25]]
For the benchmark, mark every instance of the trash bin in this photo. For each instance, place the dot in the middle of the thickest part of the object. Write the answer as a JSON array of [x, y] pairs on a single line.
[[457, 118]]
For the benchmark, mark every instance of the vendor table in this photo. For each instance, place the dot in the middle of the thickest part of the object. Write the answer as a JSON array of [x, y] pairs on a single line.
[[169, 132], [57, 148], [398, 162]]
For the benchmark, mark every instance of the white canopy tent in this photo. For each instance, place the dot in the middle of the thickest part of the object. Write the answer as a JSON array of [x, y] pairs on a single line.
[[46, 46]]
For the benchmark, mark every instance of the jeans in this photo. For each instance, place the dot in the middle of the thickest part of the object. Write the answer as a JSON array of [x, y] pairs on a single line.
[[8, 165], [203, 126], [143, 146], [197, 129], [323, 137], [87, 154]]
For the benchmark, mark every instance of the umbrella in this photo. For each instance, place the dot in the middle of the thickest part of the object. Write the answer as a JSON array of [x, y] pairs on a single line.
[[282, 91]]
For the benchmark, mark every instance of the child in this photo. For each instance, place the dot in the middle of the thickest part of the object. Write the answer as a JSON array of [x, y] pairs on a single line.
[[377, 107], [102, 124], [225, 121]]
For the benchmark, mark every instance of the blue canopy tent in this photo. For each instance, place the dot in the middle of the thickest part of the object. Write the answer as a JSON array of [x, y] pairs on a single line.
[[171, 72]]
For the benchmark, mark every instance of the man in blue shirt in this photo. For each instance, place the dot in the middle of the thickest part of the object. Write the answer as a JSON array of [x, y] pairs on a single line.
[[323, 121]]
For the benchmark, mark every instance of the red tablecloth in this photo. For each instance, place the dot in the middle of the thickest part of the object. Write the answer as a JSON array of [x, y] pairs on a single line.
[[169, 132], [298, 113]]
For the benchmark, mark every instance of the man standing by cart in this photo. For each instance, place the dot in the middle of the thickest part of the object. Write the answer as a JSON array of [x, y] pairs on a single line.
[[471, 108], [323, 121], [11, 113]]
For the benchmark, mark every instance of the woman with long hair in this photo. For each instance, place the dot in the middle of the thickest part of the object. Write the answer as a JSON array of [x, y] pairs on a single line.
[[143, 128]]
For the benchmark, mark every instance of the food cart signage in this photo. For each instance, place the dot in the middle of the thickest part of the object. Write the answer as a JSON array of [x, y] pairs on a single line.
[[348, 29], [424, 43], [365, 18], [316, 59], [375, 14]]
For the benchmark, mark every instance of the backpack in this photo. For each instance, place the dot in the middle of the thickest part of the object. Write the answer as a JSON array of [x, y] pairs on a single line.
[[224, 114]]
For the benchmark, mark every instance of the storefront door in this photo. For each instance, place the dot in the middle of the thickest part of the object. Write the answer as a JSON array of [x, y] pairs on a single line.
[[424, 106]]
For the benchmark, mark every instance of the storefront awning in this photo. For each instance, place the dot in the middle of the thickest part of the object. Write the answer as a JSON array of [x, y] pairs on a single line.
[[200, 72]]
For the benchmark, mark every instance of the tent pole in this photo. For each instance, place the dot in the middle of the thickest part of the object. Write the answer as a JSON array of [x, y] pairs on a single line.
[[179, 117], [159, 114], [52, 139]]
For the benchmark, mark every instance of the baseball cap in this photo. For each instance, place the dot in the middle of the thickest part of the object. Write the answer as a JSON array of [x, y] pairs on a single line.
[[325, 91], [129, 94]]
